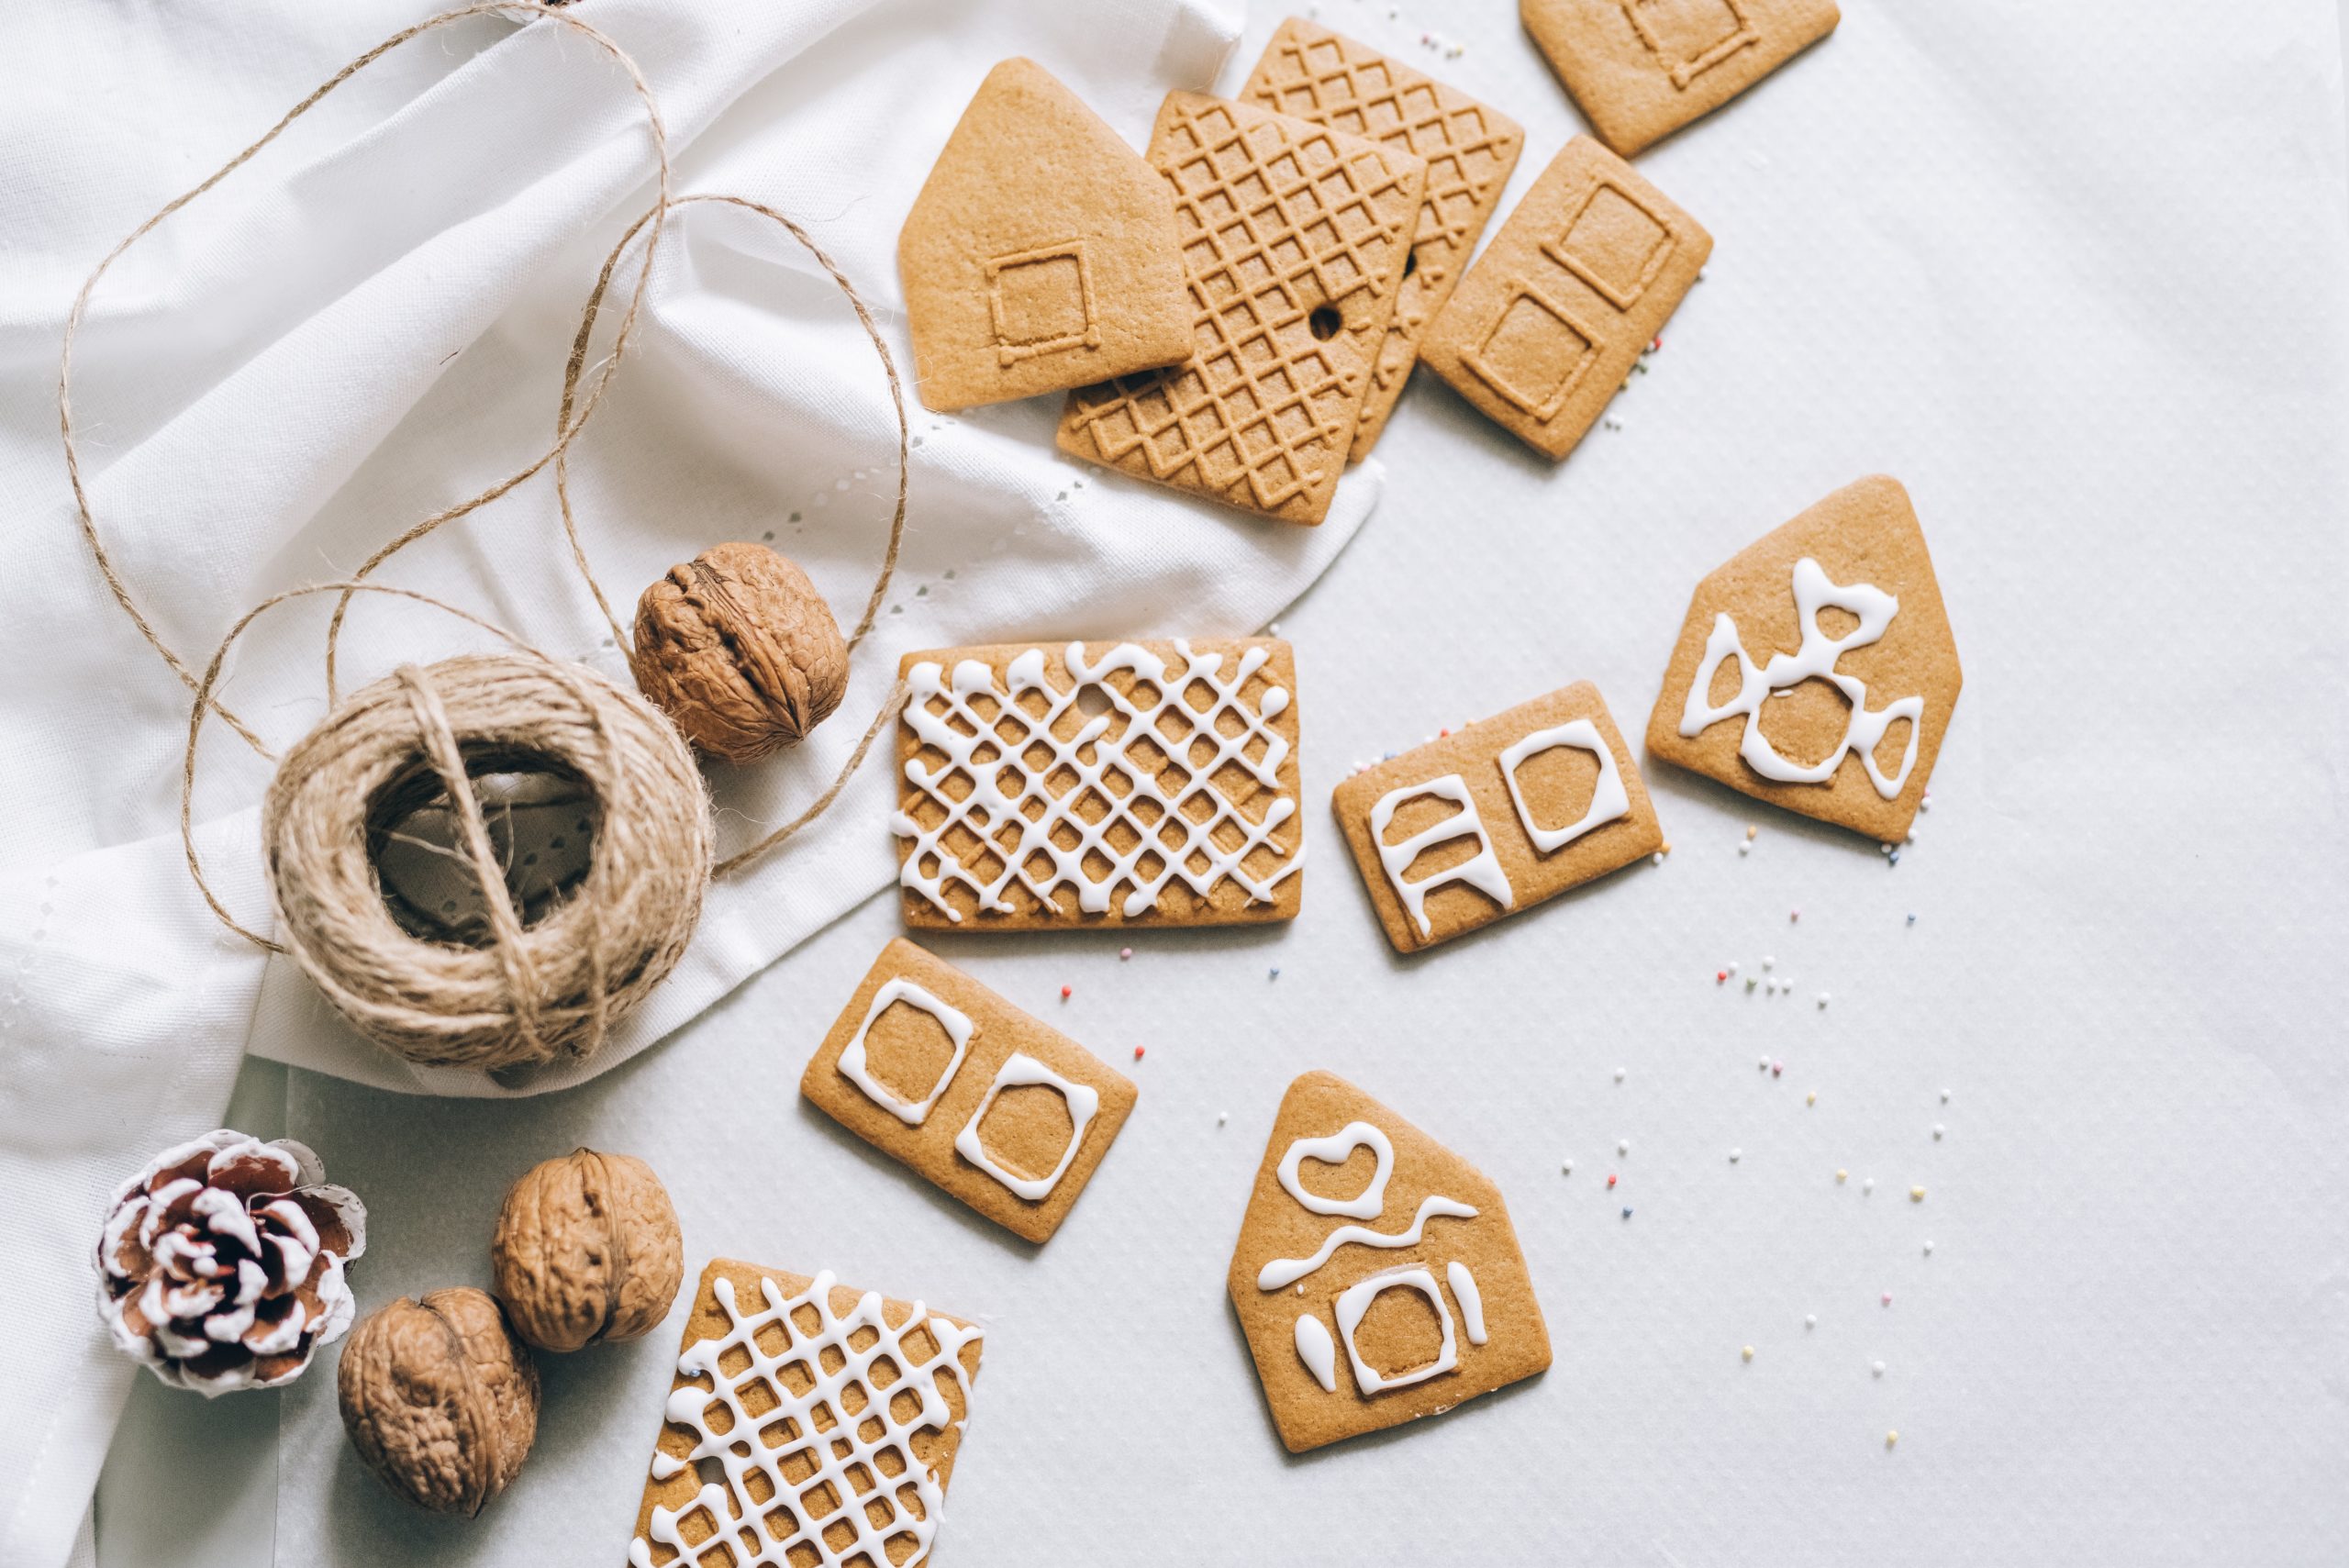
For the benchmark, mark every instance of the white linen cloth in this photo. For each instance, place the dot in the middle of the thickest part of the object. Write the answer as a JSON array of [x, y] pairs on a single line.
[[368, 322]]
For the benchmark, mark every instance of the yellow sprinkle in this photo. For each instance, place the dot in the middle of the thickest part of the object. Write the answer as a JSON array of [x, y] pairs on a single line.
[[1811, 1098], [1891, 1438], [1750, 829], [1749, 1353], [1916, 1195], [1841, 1174]]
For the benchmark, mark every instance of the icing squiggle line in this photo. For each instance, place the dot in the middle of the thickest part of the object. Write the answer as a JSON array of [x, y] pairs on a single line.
[[1283, 1272], [789, 1533], [1814, 660], [989, 809]]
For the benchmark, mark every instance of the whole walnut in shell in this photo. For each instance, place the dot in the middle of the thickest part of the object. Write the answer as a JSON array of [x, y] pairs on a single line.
[[587, 1250], [441, 1399], [741, 650]]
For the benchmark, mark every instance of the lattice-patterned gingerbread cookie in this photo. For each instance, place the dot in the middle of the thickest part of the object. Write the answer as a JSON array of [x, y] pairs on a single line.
[[1640, 69], [1314, 74], [827, 1419], [1295, 239], [1497, 817], [992, 1106], [1097, 783], [1577, 283], [1377, 1277], [1040, 254], [1817, 670]]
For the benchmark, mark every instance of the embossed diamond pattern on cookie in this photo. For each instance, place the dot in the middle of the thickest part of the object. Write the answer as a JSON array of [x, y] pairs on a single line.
[[1376, 1277], [1314, 74], [811, 1425], [1295, 239], [1099, 784]]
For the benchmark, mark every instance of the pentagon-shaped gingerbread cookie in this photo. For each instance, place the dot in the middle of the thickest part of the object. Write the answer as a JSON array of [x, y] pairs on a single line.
[[1640, 69], [1557, 310], [1817, 669], [1091, 784], [1294, 241], [1314, 74], [1377, 1278], [990, 1105], [830, 1419], [1040, 254], [1496, 816]]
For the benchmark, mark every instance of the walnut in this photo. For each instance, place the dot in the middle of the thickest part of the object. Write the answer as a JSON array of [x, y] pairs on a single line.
[[741, 650], [441, 1399], [587, 1250]]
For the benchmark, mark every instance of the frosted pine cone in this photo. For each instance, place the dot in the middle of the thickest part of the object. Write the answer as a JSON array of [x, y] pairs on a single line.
[[221, 1264]]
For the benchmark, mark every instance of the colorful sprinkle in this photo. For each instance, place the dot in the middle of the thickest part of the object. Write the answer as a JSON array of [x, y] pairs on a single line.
[[1811, 1098], [1841, 1176], [1892, 1439], [1066, 992], [1627, 1211], [1777, 1069], [1125, 953], [1720, 976], [1276, 973], [1610, 1181], [1138, 1049], [1916, 1195], [1793, 915], [1747, 1353], [1887, 1298]]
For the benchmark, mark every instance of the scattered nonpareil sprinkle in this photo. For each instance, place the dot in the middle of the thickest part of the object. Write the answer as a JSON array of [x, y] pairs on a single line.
[[1618, 1075], [1745, 849], [1793, 915], [1624, 1146], [1610, 1181], [1840, 1177], [1938, 1130], [1747, 1353], [1916, 1195], [1627, 1211], [1884, 849], [1066, 992], [1929, 1249], [1894, 858], [1892, 1439], [1944, 1097], [1274, 630], [1657, 857], [1763, 1065], [1912, 919], [1810, 1320], [1778, 1070], [1732, 966], [1811, 1098], [1222, 1116], [1823, 998], [1875, 1369], [1125, 953], [1138, 1049], [1887, 1298], [1750, 984], [1769, 962], [1720, 976], [1276, 973], [1566, 1168], [1867, 1184], [1735, 1155], [1750, 830]]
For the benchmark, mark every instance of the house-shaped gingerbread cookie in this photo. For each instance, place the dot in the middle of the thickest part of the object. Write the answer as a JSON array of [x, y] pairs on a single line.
[[1377, 1278]]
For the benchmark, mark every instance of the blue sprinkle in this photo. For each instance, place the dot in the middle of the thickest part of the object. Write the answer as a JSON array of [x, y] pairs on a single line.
[[1896, 857], [1912, 919], [1389, 757], [1275, 975], [1627, 1214]]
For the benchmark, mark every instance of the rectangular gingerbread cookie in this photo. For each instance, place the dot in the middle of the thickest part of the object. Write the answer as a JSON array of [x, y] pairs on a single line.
[[1377, 1278], [1816, 669], [1056, 787], [1294, 238], [990, 1105], [828, 1420], [1497, 818], [1554, 316], [1640, 69], [1328, 79]]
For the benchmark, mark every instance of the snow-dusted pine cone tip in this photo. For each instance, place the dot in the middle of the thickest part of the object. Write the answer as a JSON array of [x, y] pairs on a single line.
[[222, 1263]]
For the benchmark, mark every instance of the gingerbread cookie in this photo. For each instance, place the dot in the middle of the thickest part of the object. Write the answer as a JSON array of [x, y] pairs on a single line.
[[833, 1418], [1580, 279], [1040, 254], [1294, 241], [1495, 818], [1099, 784], [1313, 74], [933, 1069], [1640, 69], [1377, 1278], [1817, 669]]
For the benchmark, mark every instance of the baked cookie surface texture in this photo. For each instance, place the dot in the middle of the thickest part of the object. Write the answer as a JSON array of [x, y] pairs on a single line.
[[1640, 69]]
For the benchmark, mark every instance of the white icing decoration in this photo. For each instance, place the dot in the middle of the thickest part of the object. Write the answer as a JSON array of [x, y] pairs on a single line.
[[989, 809], [1472, 1300], [1814, 660], [1082, 1101], [956, 1024], [1364, 1205], [1315, 1349], [1286, 1270], [765, 1538], [1609, 798], [1356, 1301], [1483, 870]]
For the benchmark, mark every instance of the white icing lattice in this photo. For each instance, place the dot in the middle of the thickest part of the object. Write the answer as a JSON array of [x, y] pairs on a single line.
[[1007, 757], [1815, 660], [877, 1487]]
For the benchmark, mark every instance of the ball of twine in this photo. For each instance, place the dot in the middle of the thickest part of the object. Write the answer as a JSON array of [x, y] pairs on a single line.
[[533, 993]]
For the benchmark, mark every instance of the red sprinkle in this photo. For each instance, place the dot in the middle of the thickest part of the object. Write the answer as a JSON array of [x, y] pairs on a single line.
[[1137, 1053], [1067, 991], [1610, 1184], [1720, 976]]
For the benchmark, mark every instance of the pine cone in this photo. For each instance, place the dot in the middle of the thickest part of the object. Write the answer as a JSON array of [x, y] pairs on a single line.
[[741, 650], [222, 1263]]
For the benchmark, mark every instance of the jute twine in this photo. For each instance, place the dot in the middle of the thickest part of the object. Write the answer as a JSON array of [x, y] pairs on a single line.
[[534, 992]]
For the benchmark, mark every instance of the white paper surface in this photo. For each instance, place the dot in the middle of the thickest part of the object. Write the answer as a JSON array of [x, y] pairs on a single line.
[[2073, 272]]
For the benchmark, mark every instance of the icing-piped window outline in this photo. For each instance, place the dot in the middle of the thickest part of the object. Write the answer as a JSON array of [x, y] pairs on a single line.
[[1547, 407], [784, 1523], [858, 1071], [1482, 871], [1010, 351], [989, 811], [1815, 659], [1609, 799], [1355, 1300], [1559, 248], [1683, 69], [1021, 1069]]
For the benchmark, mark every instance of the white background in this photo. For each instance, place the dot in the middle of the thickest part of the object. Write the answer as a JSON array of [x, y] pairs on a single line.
[[2073, 273]]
